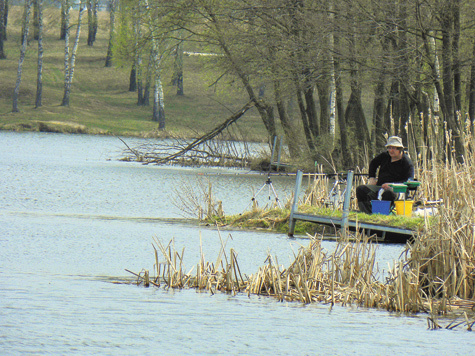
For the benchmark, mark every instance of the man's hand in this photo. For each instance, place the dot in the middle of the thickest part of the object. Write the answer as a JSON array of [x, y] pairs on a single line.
[[372, 181]]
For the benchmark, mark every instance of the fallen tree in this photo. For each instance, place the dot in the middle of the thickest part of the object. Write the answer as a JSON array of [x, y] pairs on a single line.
[[199, 151]]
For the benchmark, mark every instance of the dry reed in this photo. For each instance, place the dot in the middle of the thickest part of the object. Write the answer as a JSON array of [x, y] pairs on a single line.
[[435, 274]]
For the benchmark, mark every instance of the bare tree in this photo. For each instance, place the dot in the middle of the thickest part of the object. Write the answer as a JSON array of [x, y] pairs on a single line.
[[471, 91], [2, 28], [70, 57], [24, 42], [137, 67], [92, 21], [65, 5], [5, 19], [112, 8], [354, 114], [35, 20], [39, 80], [336, 61], [177, 78]]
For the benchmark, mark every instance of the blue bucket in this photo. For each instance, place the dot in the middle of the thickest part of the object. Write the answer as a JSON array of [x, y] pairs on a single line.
[[381, 207]]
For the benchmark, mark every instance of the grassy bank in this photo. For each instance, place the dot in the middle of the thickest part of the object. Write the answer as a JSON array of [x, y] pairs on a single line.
[[278, 220], [100, 101]]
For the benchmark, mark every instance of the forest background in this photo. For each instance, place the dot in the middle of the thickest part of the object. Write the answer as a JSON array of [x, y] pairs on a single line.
[[331, 77]]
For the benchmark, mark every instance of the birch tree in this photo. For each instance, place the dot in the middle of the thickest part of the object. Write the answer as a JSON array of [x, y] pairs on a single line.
[[336, 66], [24, 43], [158, 48], [70, 55], [112, 8], [137, 66]]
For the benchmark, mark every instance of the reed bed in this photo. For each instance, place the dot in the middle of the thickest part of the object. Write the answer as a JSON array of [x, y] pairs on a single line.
[[346, 276], [435, 274], [437, 271]]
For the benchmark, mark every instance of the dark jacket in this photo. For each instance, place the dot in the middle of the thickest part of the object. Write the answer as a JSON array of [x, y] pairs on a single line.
[[391, 172]]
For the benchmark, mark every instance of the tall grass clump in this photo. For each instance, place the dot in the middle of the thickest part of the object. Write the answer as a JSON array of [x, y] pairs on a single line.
[[441, 261]]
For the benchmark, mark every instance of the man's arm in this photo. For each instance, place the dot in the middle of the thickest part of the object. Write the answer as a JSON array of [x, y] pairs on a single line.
[[373, 167], [372, 181]]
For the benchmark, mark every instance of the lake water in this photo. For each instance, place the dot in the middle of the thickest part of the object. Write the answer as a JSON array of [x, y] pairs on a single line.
[[73, 218]]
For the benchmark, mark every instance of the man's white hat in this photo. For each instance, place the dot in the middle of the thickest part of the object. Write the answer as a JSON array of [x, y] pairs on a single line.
[[395, 141]]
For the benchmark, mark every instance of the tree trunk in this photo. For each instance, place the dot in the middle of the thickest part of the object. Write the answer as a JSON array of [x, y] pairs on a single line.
[[94, 13], [2, 29], [323, 89], [421, 110], [379, 123], [112, 8], [90, 24], [304, 117], [447, 22], [178, 68], [5, 18], [392, 109], [343, 154], [378, 109], [146, 92], [138, 59], [91, 21], [311, 109], [154, 70], [159, 104], [70, 62], [36, 25], [403, 68], [66, 19], [289, 133], [133, 79], [354, 114], [155, 110], [456, 57], [39, 79], [24, 41], [139, 78], [471, 95], [64, 23]]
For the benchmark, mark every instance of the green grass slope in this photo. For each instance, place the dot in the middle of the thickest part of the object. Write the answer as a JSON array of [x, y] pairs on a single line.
[[100, 102]]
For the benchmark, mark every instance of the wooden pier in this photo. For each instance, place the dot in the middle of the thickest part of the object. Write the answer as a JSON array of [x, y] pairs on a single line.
[[384, 233]]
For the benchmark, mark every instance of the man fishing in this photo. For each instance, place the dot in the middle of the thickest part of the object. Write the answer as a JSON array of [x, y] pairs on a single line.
[[394, 167]]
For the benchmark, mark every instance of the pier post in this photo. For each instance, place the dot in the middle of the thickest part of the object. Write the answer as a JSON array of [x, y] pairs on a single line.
[[295, 205], [346, 202]]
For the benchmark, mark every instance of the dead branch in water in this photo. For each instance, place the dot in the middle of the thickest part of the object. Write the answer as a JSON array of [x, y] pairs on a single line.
[[201, 150], [210, 135]]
